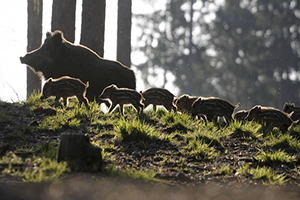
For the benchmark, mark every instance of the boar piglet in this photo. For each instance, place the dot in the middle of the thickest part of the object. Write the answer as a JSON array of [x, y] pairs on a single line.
[[271, 117], [241, 115], [213, 108], [159, 96], [65, 87], [290, 107], [184, 102], [121, 96]]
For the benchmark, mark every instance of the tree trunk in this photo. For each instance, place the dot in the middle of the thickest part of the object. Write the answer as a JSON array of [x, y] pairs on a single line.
[[34, 36], [124, 32], [79, 153], [63, 18], [93, 25]]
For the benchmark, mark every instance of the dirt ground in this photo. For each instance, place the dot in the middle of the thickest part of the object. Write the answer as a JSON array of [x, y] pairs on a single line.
[[88, 187]]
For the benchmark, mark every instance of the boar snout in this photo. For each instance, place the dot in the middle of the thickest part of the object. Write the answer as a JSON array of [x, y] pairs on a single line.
[[22, 59]]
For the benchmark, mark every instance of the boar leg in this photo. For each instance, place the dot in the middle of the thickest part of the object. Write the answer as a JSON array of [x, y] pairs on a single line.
[[82, 99], [140, 106], [136, 106], [57, 101], [228, 118], [146, 104], [168, 107], [112, 107], [121, 109], [65, 99], [154, 107], [174, 108], [283, 129], [215, 119], [105, 102], [210, 118]]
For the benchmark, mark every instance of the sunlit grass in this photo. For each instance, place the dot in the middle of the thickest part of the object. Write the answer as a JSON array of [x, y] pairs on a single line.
[[179, 122], [251, 130], [244, 169], [34, 98], [283, 141], [200, 150], [130, 173], [267, 176], [45, 169], [209, 137], [223, 170], [34, 169], [48, 149], [137, 131], [276, 157], [53, 123]]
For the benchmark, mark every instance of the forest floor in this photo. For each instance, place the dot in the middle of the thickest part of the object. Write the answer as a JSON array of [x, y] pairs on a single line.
[[153, 155]]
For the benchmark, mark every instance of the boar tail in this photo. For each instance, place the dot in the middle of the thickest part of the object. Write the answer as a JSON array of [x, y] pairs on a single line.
[[237, 105], [141, 93], [290, 114]]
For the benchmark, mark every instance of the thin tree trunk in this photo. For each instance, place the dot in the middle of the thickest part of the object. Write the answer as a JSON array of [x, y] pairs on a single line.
[[124, 32], [63, 18], [93, 25], [34, 36]]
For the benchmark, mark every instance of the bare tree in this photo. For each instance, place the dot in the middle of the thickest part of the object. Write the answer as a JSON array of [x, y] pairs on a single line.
[[34, 37], [124, 32], [93, 25], [63, 17]]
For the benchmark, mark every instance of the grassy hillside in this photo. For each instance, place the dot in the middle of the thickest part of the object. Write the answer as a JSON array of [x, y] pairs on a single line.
[[155, 146]]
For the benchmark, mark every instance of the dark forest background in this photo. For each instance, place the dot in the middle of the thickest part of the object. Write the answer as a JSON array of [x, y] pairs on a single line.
[[242, 50]]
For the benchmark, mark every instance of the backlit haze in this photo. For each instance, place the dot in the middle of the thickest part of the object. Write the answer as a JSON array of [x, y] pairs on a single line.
[[13, 40]]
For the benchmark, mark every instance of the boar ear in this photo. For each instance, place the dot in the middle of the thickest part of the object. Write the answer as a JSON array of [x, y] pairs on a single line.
[[48, 34], [285, 106], [257, 109], [175, 100], [57, 37], [293, 105]]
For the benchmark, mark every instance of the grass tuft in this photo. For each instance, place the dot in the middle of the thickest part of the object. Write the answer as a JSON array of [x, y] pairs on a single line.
[[284, 141], [201, 150], [277, 157], [130, 173], [136, 131], [266, 174]]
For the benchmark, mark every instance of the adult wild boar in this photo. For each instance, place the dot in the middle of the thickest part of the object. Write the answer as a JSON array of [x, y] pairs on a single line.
[[58, 57]]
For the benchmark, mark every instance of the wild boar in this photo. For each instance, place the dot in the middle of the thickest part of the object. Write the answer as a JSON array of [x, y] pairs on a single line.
[[159, 96], [290, 107], [271, 117], [184, 102], [58, 57], [121, 96], [213, 108], [65, 87], [241, 115]]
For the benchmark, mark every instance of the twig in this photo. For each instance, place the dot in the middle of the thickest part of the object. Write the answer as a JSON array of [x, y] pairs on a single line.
[[14, 92]]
